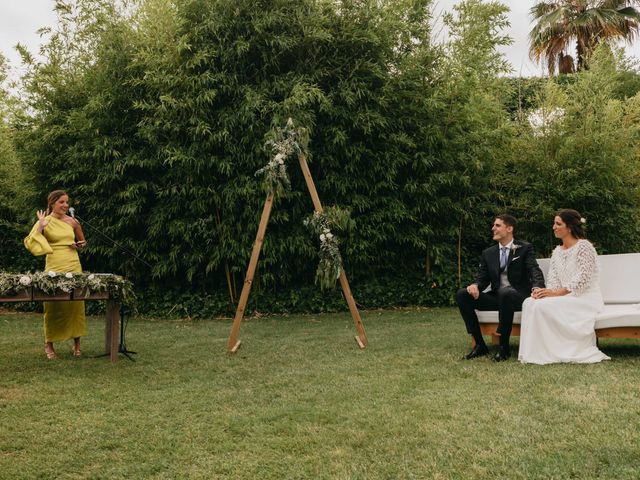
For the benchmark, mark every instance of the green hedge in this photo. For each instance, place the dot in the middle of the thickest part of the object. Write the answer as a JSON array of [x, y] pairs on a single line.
[[155, 120]]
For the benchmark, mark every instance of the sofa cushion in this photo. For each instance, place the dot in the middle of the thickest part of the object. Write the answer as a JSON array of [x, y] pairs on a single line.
[[492, 316], [618, 316], [610, 316]]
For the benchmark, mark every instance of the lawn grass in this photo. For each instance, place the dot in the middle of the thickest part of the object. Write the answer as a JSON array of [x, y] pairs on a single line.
[[300, 400]]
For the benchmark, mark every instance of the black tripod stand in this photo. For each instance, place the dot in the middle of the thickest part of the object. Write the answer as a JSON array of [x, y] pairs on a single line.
[[122, 346]]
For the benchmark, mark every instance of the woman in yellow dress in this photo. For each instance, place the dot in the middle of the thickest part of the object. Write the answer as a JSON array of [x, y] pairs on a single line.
[[59, 237]]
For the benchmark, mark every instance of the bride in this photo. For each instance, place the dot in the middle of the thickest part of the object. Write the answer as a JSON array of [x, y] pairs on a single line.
[[558, 321]]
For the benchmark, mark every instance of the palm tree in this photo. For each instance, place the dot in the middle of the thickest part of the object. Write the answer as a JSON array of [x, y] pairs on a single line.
[[585, 23]]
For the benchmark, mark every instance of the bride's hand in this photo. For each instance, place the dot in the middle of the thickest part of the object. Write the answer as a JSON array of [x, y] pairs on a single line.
[[542, 293], [42, 219], [547, 292]]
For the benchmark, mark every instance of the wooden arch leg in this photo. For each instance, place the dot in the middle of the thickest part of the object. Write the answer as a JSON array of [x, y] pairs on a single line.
[[361, 339], [233, 344]]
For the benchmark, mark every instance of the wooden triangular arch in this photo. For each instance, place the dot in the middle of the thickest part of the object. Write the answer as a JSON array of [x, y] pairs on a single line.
[[233, 344]]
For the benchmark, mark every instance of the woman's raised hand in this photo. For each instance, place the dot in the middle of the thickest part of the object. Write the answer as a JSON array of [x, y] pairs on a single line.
[[42, 219]]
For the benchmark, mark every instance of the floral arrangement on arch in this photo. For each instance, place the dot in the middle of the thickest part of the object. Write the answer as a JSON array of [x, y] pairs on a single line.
[[284, 143], [50, 282], [325, 224]]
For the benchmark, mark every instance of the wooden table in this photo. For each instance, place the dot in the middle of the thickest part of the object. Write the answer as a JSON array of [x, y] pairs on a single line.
[[112, 320]]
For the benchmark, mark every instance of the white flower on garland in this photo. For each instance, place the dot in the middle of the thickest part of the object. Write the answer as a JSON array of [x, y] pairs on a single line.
[[68, 275], [52, 274], [25, 280]]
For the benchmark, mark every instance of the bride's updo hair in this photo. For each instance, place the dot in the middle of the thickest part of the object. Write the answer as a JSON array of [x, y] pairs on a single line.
[[574, 221]]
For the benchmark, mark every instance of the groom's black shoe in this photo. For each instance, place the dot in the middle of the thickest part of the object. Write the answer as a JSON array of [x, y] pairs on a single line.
[[504, 353], [478, 351]]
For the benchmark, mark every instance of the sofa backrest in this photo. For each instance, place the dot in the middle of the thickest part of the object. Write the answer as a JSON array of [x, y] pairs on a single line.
[[544, 266], [619, 278], [619, 274]]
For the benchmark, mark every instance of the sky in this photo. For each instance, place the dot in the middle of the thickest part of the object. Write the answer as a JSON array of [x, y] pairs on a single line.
[[20, 19]]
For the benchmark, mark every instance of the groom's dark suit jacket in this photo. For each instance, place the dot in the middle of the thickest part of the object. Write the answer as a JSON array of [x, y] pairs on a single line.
[[523, 271]]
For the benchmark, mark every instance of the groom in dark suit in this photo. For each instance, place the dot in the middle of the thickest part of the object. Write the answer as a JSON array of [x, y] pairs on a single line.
[[511, 269]]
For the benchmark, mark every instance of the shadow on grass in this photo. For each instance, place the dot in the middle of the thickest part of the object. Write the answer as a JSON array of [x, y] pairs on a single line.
[[617, 351]]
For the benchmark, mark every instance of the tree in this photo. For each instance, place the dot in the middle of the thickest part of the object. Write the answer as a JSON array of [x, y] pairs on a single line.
[[159, 133], [469, 135], [13, 187], [584, 157], [587, 23]]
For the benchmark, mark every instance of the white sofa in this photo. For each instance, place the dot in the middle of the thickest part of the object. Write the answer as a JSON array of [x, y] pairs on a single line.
[[620, 285]]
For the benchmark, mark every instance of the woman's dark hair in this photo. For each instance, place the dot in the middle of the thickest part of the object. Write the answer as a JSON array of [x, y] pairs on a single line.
[[53, 198], [573, 220]]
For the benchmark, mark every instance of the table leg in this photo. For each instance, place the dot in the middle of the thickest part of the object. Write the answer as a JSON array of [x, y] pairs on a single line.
[[112, 328]]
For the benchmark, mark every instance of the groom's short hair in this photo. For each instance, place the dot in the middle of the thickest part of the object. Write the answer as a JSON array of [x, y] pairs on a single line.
[[509, 220]]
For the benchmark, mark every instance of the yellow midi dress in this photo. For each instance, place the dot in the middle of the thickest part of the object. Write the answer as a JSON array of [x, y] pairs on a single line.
[[62, 320]]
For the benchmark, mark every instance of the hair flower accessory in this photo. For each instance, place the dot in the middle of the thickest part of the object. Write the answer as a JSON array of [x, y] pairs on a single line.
[[583, 220]]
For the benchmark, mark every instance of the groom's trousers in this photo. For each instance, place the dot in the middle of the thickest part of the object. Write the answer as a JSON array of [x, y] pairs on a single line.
[[506, 301]]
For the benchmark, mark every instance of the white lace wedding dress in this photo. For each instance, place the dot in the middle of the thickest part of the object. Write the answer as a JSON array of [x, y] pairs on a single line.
[[561, 329]]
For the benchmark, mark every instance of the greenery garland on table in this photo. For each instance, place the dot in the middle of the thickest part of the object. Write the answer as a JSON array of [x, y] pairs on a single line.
[[286, 142], [51, 282], [322, 224]]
